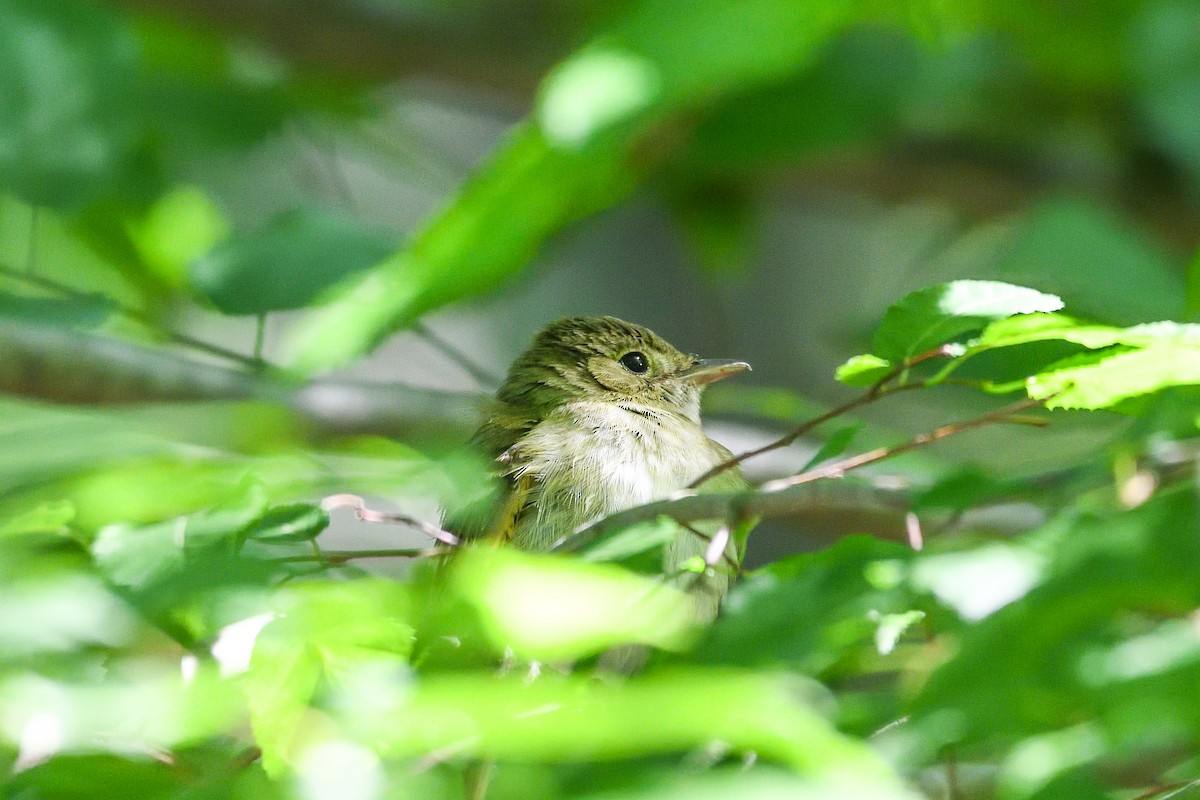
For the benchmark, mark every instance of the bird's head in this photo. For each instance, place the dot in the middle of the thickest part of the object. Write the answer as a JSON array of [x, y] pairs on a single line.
[[609, 360]]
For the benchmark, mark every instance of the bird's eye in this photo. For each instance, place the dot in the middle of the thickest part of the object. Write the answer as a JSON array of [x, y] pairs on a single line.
[[635, 362]]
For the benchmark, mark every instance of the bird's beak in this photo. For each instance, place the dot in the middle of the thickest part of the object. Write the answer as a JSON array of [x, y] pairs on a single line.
[[710, 370]]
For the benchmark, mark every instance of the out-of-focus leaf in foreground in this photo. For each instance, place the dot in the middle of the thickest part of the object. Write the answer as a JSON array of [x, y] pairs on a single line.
[[557, 609], [562, 718], [287, 264], [591, 135], [66, 79]]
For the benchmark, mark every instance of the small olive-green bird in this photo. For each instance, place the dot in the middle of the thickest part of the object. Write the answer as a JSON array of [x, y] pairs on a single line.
[[597, 416]]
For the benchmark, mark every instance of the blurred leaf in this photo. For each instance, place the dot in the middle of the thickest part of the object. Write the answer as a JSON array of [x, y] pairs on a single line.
[[557, 718], [945, 313], [719, 222], [770, 403], [300, 522], [60, 613], [66, 80], [863, 370], [632, 541], [809, 611], [180, 226], [590, 137], [133, 704], [834, 446], [1162, 40], [1101, 568], [95, 776], [1192, 293], [761, 785], [75, 312], [137, 556], [1096, 262], [289, 263], [321, 631], [558, 609], [45, 518]]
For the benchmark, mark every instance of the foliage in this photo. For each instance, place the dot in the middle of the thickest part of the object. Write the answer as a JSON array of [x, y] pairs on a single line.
[[176, 623]]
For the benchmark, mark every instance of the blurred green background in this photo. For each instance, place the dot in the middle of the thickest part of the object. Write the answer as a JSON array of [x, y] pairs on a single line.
[[253, 252]]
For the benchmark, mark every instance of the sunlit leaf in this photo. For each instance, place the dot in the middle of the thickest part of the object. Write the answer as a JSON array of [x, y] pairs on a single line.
[[1102, 379], [574, 157], [45, 518], [180, 227], [557, 718], [321, 632], [948, 312], [555, 608], [863, 370]]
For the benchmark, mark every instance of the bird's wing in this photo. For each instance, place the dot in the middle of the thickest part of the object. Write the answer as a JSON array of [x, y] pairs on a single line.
[[493, 517]]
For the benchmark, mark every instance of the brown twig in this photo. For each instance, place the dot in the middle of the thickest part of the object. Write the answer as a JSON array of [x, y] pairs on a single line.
[[836, 469], [336, 557], [371, 515], [779, 498], [877, 390]]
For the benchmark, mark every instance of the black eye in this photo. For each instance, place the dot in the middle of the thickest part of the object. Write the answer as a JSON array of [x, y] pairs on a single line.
[[635, 362]]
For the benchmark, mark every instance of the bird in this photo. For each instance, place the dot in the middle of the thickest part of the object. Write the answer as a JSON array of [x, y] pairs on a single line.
[[597, 416]]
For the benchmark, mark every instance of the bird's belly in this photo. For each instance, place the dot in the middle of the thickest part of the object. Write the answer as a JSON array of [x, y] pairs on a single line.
[[588, 472]]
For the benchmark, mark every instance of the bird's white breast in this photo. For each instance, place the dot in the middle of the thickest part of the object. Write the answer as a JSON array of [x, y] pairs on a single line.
[[593, 459]]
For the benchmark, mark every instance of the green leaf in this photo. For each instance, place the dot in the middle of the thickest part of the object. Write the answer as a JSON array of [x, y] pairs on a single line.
[[96, 776], [300, 522], [580, 153], [289, 263], [1047, 660], [1192, 293], [558, 609], [1104, 378], [632, 541], [322, 631], [568, 719], [45, 518], [863, 370], [179, 228], [1098, 263], [67, 72], [809, 611], [87, 311], [834, 446], [947, 312]]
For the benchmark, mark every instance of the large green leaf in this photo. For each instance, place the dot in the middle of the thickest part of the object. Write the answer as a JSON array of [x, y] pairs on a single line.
[[590, 136], [321, 632], [563, 718], [67, 71], [1056, 655], [558, 609], [947, 312], [289, 263]]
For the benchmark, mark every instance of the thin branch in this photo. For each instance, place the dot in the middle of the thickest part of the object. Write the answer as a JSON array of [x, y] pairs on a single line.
[[481, 374], [877, 390], [786, 497], [182, 339], [836, 469], [336, 557], [371, 515]]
